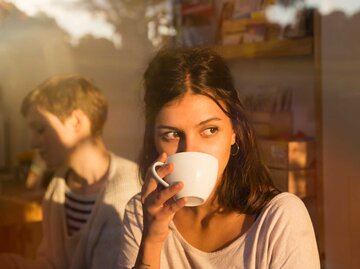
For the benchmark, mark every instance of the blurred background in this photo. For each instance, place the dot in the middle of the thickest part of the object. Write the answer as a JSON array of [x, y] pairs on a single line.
[[295, 64]]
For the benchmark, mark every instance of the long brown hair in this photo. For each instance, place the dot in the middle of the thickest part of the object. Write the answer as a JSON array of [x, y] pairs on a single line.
[[246, 186]]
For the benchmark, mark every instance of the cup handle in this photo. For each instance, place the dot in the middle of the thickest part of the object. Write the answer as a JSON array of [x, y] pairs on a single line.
[[156, 176]]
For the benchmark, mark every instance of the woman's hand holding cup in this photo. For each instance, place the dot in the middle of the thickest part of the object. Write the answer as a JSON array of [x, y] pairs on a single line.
[[159, 205]]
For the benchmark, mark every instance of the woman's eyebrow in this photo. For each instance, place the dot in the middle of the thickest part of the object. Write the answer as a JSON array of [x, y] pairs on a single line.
[[167, 127], [208, 120], [162, 126]]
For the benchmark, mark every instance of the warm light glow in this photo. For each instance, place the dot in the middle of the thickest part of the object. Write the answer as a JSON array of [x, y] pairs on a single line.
[[77, 22], [286, 15]]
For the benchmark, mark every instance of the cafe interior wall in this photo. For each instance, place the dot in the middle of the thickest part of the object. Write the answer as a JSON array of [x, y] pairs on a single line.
[[31, 52], [341, 144]]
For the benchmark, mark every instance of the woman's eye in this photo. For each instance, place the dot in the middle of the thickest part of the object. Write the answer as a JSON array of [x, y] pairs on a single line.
[[169, 136], [210, 131]]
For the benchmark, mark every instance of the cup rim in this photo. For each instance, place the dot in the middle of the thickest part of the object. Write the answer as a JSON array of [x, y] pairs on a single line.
[[193, 152]]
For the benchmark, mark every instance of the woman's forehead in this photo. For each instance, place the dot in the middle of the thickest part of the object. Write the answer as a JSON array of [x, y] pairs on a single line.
[[190, 107]]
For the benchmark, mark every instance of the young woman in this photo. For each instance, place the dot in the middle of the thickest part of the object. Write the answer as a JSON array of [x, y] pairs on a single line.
[[84, 204], [191, 105]]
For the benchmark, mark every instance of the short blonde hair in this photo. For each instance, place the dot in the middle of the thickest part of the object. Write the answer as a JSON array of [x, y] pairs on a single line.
[[61, 95]]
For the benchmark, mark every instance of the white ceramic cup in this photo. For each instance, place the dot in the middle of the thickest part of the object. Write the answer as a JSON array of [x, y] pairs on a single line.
[[197, 170]]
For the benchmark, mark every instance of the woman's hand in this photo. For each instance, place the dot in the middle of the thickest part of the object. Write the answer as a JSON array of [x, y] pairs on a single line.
[[159, 207], [159, 204]]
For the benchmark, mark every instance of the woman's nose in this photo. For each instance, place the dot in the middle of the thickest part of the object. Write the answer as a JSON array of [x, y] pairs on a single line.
[[188, 144]]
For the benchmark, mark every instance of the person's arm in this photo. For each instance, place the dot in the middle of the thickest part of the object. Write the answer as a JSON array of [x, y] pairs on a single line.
[[158, 210]]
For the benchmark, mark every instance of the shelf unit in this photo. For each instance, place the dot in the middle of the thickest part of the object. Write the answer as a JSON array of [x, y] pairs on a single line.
[[273, 48]]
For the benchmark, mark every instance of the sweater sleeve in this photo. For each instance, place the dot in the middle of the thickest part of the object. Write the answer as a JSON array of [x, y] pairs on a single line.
[[133, 227], [292, 242], [107, 248]]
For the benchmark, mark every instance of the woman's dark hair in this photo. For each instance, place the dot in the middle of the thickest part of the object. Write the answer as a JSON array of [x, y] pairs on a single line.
[[246, 186]]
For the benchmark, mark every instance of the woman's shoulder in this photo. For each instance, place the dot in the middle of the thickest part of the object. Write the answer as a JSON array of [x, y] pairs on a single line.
[[285, 207], [286, 225], [286, 200]]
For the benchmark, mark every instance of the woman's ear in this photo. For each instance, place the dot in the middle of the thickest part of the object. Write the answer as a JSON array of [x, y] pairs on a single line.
[[233, 138]]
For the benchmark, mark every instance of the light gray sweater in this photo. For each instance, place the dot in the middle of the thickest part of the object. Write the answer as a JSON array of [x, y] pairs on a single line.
[[97, 245], [281, 237]]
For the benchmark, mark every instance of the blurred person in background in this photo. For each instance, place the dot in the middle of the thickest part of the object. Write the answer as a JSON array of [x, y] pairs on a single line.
[[84, 203]]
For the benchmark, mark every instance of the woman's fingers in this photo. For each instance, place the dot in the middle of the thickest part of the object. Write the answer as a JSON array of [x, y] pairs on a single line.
[[159, 204], [159, 209], [164, 196], [150, 182], [155, 197], [173, 205]]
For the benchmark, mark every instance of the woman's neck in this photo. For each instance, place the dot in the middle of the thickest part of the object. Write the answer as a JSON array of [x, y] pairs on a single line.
[[199, 226]]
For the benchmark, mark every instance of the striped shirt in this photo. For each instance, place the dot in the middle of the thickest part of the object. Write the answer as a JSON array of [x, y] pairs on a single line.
[[77, 210]]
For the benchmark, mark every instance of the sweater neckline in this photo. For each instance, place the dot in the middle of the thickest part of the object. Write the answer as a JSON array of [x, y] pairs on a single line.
[[238, 241]]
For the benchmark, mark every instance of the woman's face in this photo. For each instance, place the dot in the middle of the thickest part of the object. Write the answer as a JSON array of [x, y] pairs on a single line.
[[195, 123]]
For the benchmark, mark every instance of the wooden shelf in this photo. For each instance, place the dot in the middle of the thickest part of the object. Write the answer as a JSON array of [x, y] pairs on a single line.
[[274, 48]]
